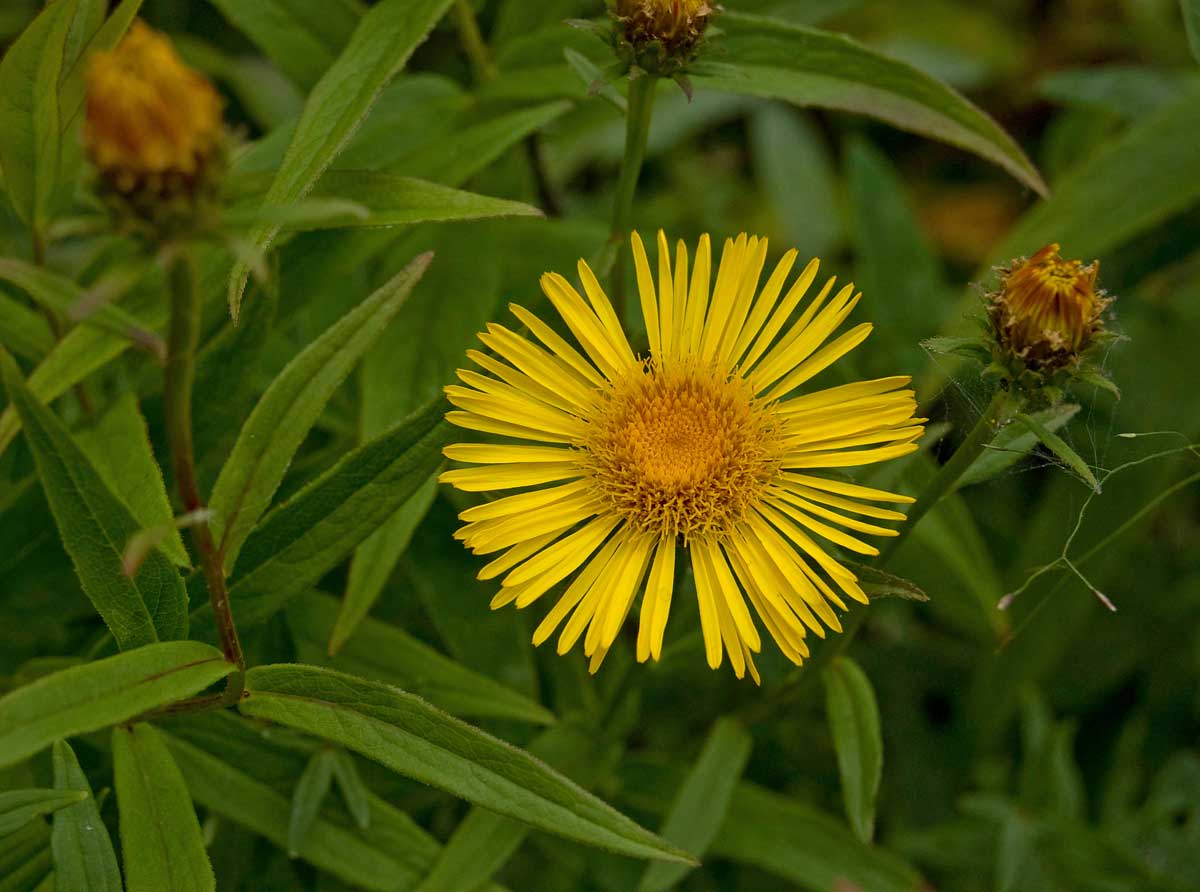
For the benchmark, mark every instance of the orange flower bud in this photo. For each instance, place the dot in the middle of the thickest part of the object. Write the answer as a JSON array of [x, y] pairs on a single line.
[[1048, 310], [663, 34]]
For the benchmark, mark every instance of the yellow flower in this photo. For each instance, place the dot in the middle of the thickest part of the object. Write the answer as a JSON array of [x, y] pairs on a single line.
[[706, 443], [153, 126], [1048, 309]]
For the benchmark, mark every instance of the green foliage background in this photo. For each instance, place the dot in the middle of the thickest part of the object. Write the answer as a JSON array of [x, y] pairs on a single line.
[[1049, 746]]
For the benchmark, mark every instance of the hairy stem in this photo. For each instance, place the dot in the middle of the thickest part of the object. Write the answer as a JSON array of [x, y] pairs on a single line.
[[637, 131], [177, 400], [472, 41]]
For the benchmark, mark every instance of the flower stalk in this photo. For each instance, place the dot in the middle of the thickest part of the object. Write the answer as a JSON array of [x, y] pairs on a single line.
[[180, 374], [637, 132]]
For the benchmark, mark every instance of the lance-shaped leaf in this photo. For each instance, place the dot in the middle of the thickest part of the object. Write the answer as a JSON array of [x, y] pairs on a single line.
[[382, 651], [290, 407], [1058, 446], [302, 37], [81, 352], [407, 735], [379, 47], [22, 331], [60, 295], [237, 771], [310, 792], [25, 857], [1191, 23], [102, 693], [95, 526], [84, 858], [308, 535], [19, 807], [382, 198], [854, 723], [354, 791], [119, 445], [161, 844], [30, 125], [699, 807], [810, 67], [877, 583], [484, 841], [1012, 443]]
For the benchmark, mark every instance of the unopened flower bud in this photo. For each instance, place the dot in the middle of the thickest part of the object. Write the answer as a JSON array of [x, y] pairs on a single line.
[[1048, 310], [661, 36]]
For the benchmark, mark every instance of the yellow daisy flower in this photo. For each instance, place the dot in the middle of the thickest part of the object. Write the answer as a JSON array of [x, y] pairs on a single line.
[[706, 443]]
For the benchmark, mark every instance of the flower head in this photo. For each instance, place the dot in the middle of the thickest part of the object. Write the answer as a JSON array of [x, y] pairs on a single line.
[[661, 36], [154, 128], [704, 447], [1048, 310]]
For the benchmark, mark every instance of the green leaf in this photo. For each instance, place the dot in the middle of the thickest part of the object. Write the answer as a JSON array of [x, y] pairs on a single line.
[[407, 735], [102, 693], [1059, 447], [81, 352], [810, 67], [19, 807], [60, 295], [1130, 185], [22, 331], [971, 348], [310, 792], [119, 446], [289, 408], [453, 158], [30, 127], [373, 563], [877, 583], [310, 213], [854, 725], [95, 526], [377, 50], [25, 858], [354, 791], [796, 177], [161, 844], [1191, 21], [387, 653], [84, 859], [389, 857], [484, 841], [1014, 442], [387, 199], [308, 535], [804, 846], [700, 805], [393, 200], [897, 270], [104, 38], [302, 37]]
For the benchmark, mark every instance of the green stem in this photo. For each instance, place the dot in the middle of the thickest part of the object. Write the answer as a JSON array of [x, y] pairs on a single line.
[[637, 131], [473, 42], [938, 487], [943, 482], [180, 374]]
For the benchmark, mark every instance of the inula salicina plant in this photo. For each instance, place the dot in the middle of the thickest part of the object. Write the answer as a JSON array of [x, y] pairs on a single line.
[[480, 445]]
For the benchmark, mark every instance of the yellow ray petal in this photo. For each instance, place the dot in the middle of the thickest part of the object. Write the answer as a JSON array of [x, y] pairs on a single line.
[[488, 478], [646, 292], [503, 454], [656, 602], [557, 345]]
